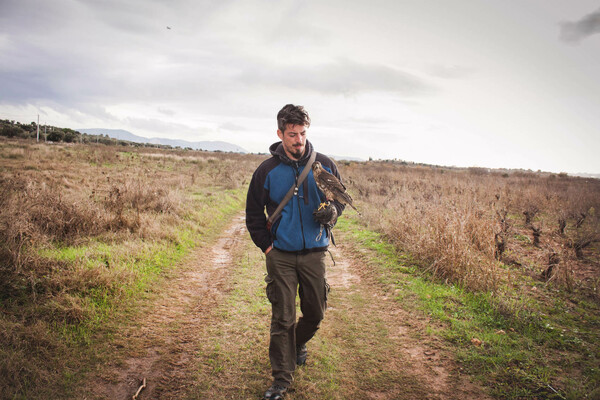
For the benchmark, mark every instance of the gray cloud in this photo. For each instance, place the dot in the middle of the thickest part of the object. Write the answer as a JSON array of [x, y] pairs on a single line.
[[230, 126], [166, 111], [575, 32], [339, 77], [170, 128]]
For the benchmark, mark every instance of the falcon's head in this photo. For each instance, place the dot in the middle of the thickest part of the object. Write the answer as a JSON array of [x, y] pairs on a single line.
[[317, 168]]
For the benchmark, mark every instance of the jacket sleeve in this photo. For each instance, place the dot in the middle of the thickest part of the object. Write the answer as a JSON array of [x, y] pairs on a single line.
[[256, 220]]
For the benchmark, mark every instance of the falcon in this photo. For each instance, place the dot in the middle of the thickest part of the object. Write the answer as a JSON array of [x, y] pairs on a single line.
[[331, 186]]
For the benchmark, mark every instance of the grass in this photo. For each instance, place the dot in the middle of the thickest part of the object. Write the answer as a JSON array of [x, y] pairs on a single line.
[[463, 223], [351, 356], [520, 345], [88, 235], [90, 232], [234, 353], [133, 269]]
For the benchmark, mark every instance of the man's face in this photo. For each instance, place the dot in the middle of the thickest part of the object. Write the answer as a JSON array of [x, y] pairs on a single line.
[[294, 140]]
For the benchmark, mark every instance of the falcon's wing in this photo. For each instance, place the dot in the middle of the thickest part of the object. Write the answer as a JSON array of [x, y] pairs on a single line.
[[331, 181]]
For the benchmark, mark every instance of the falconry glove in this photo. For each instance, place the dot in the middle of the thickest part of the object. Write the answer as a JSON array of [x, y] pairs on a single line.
[[326, 215]]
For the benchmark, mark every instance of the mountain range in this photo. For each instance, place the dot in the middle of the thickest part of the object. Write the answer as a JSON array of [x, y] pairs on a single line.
[[121, 134]]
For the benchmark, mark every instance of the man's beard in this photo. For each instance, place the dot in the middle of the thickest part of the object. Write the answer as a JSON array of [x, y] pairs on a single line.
[[297, 152]]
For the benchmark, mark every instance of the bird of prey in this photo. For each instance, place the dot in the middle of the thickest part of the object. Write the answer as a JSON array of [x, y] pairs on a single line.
[[331, 186]]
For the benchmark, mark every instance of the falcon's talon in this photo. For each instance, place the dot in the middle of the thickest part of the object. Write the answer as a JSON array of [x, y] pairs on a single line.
[[322, 206]]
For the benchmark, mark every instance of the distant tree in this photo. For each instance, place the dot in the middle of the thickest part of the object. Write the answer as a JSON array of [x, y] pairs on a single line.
[[32, 127], [12, 131], [69, 136], [56, 135]]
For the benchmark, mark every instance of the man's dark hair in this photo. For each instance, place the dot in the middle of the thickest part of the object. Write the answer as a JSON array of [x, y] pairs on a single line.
[[294, 115]]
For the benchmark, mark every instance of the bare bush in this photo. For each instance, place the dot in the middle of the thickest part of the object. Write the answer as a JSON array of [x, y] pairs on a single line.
[[553, 261], [530, 213], [562, 224], [537, 232]]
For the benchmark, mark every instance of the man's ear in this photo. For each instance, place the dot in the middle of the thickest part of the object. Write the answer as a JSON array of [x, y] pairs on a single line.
[[280, 134]]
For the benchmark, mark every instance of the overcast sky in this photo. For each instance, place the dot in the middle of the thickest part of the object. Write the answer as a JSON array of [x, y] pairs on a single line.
[[483, 83]]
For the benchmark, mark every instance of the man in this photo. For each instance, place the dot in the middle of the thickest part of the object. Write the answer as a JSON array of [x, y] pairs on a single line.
[[295, 244]]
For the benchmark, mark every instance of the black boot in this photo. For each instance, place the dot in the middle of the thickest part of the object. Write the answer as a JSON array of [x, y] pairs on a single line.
[[301, 354], [275, 392]]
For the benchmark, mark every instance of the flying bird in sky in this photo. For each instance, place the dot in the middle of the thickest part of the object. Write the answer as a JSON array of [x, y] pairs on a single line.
[[331, 186]]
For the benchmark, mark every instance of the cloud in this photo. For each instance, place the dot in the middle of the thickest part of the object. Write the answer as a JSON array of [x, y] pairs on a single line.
[[575, 32], [339, 77], [451, 71], [230, 126], [166, 129], [166, 111]]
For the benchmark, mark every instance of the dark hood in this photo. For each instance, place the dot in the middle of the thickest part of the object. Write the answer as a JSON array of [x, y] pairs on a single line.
[[277, 150]]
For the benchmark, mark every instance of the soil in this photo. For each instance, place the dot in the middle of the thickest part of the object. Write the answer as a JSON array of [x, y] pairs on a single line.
[[416, 355], [173, 325], [162, 345]]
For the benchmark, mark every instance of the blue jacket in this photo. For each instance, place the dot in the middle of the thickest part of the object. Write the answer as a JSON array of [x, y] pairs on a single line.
[[295, 230]]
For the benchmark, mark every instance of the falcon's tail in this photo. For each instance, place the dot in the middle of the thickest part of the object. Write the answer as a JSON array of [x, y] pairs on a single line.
[[355, 209]]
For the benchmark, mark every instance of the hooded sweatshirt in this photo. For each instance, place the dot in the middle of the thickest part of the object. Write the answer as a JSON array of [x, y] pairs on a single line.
[[295, 230]]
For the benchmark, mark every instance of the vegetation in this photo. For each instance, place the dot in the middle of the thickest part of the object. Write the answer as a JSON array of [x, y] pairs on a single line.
[[503, 266], [468, 226], [497, 258], [84, 231], [53, 134]]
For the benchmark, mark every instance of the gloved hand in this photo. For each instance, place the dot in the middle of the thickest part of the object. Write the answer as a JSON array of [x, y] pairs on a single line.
[[326, 214]]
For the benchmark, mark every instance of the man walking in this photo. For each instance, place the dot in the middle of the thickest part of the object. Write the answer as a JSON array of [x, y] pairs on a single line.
[[294, 239]]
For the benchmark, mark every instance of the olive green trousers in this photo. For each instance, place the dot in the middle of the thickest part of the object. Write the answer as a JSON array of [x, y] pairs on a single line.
[[286, 274]]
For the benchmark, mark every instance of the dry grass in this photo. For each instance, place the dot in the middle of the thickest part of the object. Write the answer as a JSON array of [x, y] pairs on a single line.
[[75, 220], [464, 224]]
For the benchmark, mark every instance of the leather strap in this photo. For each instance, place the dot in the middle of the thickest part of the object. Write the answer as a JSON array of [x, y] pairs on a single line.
[[293, 190]]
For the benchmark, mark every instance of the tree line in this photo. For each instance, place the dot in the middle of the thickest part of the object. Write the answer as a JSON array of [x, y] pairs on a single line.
[[13, 129]]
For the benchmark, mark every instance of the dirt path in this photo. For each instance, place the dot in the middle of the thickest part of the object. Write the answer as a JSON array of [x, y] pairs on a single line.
[[165, 342], [207, 337], [411, 364]]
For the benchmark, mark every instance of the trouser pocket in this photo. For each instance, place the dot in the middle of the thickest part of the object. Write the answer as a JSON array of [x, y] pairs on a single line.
[[270, 289]]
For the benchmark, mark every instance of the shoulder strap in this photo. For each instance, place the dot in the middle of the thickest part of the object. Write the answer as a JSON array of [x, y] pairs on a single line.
[[293, 190]]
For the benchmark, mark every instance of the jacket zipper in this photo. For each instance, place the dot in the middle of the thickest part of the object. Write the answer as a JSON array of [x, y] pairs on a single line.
[[299, 207]]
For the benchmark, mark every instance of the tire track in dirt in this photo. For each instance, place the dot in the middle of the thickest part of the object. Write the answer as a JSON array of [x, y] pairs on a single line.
[[410, 351], [163, 346]]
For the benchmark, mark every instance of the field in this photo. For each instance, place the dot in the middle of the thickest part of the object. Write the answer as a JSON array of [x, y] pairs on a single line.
[[498, 270]]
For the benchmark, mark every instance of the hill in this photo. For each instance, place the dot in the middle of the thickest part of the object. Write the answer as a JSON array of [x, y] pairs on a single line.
[[202, 145]]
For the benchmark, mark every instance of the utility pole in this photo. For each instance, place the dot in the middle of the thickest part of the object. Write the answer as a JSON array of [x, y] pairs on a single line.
[[38, 128], [45, 136]]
